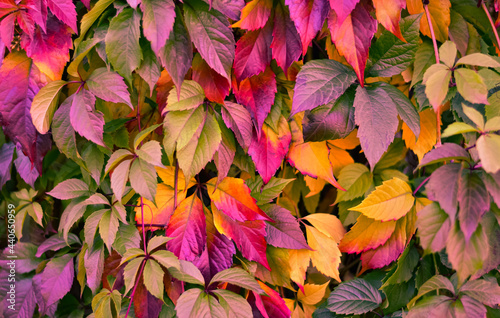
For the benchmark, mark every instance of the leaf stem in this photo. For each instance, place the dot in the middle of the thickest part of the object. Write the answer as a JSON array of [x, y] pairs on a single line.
[[143, 228], [176, 182], [421, 184], [431, 28], [135, 286], [492, 24]]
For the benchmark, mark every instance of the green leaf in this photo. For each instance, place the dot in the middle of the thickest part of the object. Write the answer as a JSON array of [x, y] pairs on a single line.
[[94, 161], [478, 59], [89, 18], [424, 58], [191, 95], [433, 227], [167, 259], [108, 227], [44, 105], [91, 225], [151, 153], [158, 21], [128, 237], [436, 80], [389, 55], [485, 291], [130, 272], [157, 241], [211, 35], [437, 306], [73, 212], [234, 305], [119, 178], [143, 134], [488, 148], [471, 86], [437, 282], [457, 128], [180, 128], [266, 193], [476, 117], [239, 277], [122, 43], [448, 53], [187, 273], [153, 278], [447, 151], [356, 179], [197, 303], [130, 254], [404, 267], [109, 86], [354, 297], [150, 69], [143, 179], [200, 149]]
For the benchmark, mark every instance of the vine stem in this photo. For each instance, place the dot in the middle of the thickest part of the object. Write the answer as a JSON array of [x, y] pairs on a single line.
[[492, 24], [176, 183], [143, 227], [421, 184], [436, 53], [135, 287]]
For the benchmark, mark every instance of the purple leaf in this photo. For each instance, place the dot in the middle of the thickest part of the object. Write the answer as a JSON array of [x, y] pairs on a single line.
[[157, 21], [285, 232], [238, 119], [443, 187], [286, 46], [94, 266], [109, 86], [57, 278], [473, 200], [343, 8], [25, 302], [446, 151], [492, 182], [85, 119], [69, 189], [56, 242], [6, 154], [65, 11], [25, 168]]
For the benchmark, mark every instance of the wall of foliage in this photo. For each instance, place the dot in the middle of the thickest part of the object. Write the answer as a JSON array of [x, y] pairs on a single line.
[[263, 158]]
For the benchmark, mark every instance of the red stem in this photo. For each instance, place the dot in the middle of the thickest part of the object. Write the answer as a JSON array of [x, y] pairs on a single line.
[[492, 24], [135, 287], [176, 183], [421, 184], [433, 35]]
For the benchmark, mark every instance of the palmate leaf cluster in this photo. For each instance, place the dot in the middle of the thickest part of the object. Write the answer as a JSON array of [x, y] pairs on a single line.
[[259, 158]]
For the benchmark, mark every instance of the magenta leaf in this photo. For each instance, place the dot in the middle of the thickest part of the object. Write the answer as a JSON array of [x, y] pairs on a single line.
[[65, 11], [443, 187], [285, 232], [474, 201], [57, 279], [109, 86], [286, 45], [157, 21], [6, 154], [86, 121], [25, 168]]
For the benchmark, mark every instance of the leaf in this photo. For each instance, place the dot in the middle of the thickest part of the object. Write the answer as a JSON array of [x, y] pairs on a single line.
[[388, 14], [447, 151], [389, 201], [285, 232], [65, 11], [108, 86], [86, 121], [474, 201], [234, 305], [436, 80], [270, 149], [44, 105], [185, 306], [143, 178], [232, 197], [354, 297], [366, 234], [427, 138], [153, 278], [436, 282], [108, 227], [158, 20], [188, 273], [150, 152], [211, 36], [475, 116], [254, 15], [249, 236], [122, 43], [448, 53], [487, 147], [272, 304], [376, 115], [18, 74], [94, 160], [471, 86], [325, 255], [237, 118], [188, 230], [119, 178], [143, 134], [343, 8], [319, 82], [424, 58], [6, 154], [190, 96], [257, 94], [353, 36], [201, 148], [308, 17], [286, 45], [94, 265], [478, 59], [70, 189], [253, 51], [239, 277], [145, 304], [130, 272], [177, 54], [90, 227], [327, 224], [216, 86], [57, 278], [312, 294], [55, 243], [466, 257], [224, 156], [180, 127], [485, 291], [433, 227], [440, 17]]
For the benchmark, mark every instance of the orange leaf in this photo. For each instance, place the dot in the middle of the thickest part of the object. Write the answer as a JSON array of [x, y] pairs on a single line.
[[326, 254], [427, 137], [388, 13], [440, 17]]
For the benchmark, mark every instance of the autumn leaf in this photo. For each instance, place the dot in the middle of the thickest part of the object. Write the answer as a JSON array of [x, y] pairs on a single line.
[[440, 17], [254, 15]]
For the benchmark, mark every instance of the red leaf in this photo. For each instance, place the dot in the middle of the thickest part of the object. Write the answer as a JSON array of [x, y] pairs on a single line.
[[218, 253], [353, 37], [256, 93], [237, 118], [389, 13], [249, 236], [20, 81], [38, 11], [187, 227], [7, 7], [286, 46], [49, 51], [86, 3], [271, 306], [216, 86], [254, 15], [25, 19], [145, 304], [7, 30], [343, 8], [253, 52], [308, 16], [270, 149], [65, 11]]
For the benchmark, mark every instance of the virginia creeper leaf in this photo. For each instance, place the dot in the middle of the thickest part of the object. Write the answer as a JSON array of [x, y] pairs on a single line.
[[366, 234], [354, 297], [254, 15], [216, 86], [433, 227], [143, 178], [86, 121], [439, 15], [285, 232], [286, 45], [108, 86], [157, 21], [238, 119], [446, 151], [189, 96], [44, 105]]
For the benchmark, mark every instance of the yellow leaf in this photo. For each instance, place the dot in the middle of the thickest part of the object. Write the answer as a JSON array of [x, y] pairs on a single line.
[[315, 185], [326, 254], [164, 208], [298, 313], [167, 175], [349, 142], [299, 262], [339, 158], [366, 234], [440, 17], [290, 303], [312, 294], [389, 201], [327, 224], [428, 132]]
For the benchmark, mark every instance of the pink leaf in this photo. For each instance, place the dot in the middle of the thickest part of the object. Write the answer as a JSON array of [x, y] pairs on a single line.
[[286, 46], [65, 11]]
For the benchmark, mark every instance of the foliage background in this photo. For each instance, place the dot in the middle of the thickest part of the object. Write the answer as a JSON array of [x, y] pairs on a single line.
[[272, 158]]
